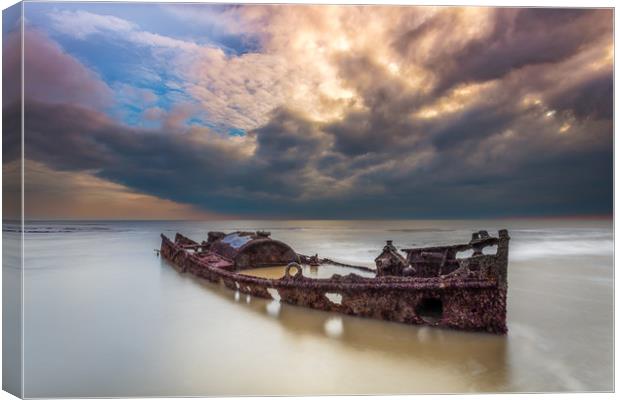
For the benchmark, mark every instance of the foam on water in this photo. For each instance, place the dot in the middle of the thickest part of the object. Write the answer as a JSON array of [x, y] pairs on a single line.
[[529, 245]]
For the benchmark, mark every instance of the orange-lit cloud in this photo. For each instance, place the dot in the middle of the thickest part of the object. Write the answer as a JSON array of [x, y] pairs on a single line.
[[80, 195]]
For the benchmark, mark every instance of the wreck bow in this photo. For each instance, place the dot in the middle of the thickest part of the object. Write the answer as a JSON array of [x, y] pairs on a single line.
[[428, 285]]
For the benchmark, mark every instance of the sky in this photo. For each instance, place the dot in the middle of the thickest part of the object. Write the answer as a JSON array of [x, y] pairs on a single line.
[[147, 110]]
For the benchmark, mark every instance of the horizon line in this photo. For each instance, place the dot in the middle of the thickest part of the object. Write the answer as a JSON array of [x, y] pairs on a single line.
[[545, 217]]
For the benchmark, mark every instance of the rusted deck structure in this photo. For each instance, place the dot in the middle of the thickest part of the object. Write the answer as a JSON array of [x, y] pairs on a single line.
[[428, 286]]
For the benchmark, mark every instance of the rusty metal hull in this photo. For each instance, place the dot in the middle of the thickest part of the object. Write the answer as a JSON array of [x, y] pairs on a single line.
[[475, 301]]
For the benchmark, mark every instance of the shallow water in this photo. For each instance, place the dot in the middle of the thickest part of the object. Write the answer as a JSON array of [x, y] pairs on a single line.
[[104, 316], [320, 272]]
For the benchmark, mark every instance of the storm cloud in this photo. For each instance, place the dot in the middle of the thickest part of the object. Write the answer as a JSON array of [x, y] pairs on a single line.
[[357, 112]]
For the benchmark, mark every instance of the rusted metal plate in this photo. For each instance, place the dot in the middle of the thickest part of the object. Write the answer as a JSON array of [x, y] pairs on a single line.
[[250, 249]]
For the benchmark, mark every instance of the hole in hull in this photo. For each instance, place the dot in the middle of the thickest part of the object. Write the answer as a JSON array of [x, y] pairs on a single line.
[[490, 250], [430, 310], [464, 254], [335, 298]]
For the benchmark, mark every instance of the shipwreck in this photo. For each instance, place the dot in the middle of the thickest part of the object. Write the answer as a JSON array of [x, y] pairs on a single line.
[[430, 286]]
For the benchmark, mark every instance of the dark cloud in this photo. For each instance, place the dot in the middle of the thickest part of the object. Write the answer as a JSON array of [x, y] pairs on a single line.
[[458, 180], [287, 140], [536, 140], [11, 131], [52, 75], [520, 37], [592, 98], [384, 122], [473, 125], [72, 138], [360, 133]]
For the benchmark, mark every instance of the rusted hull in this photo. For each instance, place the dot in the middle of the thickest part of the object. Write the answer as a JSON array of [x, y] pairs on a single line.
[[466, 304]]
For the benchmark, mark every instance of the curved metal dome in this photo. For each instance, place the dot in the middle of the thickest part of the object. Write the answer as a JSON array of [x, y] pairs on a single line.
[[251, 249]]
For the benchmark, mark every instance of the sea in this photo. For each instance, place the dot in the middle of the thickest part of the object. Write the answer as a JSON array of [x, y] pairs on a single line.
[[105, 316]]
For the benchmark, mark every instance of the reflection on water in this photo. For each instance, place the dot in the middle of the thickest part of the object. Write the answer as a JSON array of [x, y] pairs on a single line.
[[105, 317], [318, 272], [440, 360]]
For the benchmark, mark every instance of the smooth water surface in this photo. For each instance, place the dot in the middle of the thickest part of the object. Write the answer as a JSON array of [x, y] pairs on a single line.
[[104, 316]]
